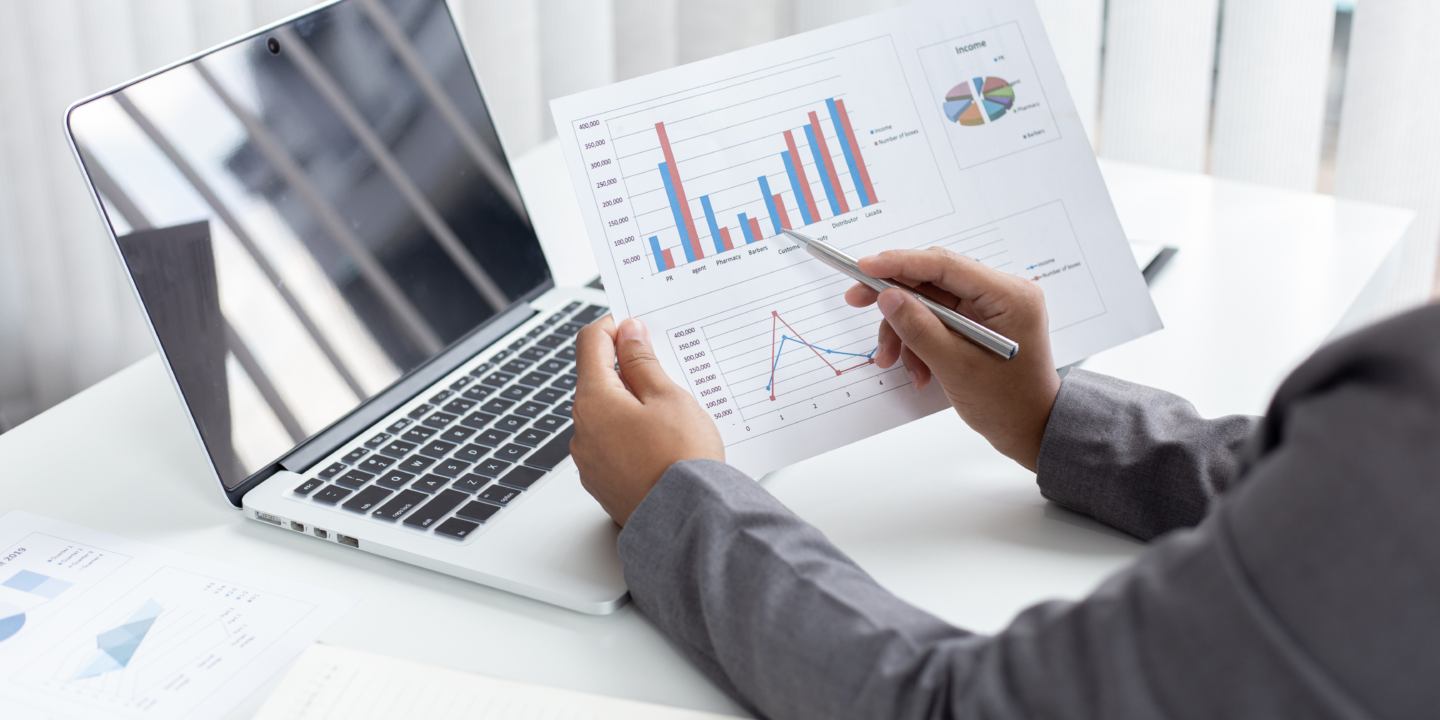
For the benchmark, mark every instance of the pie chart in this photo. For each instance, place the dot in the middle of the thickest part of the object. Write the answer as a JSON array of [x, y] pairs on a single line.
[[996, 96], [11, 620]]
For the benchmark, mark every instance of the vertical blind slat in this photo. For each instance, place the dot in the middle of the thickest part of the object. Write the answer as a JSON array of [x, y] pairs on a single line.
[[1077, 30]]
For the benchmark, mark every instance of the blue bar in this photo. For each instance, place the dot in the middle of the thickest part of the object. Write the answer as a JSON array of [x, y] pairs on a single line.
[[658, 253], [820, 167], [675, 208], [714, 228], [745, 225], [770, 204], [845, 146], [795, 187]]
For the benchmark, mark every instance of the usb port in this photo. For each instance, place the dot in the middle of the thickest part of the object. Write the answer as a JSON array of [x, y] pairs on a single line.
[[347, 540], [322, 534], [267, 517], [297, 527]]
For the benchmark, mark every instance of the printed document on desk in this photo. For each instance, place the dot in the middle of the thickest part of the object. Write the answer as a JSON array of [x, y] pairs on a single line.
[[98, 626], [937, 124]]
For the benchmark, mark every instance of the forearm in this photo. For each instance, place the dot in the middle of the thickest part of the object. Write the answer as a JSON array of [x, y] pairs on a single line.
[[1136, 458]]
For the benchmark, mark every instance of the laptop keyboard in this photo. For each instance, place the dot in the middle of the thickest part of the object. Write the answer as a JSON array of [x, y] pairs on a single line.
[[455, 461]]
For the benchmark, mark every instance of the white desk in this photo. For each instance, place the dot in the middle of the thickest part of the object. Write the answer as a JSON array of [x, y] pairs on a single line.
[[971, 541]]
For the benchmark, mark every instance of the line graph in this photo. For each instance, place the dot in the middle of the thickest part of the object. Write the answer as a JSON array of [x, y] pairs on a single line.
[[776, 352]]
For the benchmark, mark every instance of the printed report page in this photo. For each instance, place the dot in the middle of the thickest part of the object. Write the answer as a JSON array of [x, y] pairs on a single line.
[[934, 125]]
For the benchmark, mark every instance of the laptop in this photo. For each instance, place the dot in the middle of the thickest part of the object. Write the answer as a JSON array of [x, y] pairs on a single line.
[[332, 252]]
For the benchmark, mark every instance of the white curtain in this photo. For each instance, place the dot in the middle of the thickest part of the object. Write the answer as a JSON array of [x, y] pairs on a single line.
[[67, 318]]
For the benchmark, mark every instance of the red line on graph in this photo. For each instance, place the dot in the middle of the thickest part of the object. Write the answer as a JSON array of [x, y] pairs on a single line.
[[829, 162], [773, 364], [679, 190]]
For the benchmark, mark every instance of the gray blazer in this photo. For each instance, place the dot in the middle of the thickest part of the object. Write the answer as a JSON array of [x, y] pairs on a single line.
[[1295, 570]]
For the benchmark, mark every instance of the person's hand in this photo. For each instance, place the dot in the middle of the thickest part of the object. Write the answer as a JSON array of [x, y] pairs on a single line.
[[1006, 401], [626, 438]]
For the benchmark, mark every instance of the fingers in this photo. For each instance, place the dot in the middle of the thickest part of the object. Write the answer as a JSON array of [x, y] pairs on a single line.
[[638, 364], [917, 327], [860, 296], [595, 356], [916, 368], [889, 346], [949, 271]]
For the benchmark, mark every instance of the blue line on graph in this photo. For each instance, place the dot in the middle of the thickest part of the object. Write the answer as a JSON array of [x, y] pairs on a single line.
[[776, 362]]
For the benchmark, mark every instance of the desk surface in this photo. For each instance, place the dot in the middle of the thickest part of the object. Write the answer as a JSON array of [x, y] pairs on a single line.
[[930, 510]]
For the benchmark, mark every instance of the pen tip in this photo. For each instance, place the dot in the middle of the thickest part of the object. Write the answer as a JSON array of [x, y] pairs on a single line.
[[795, 237]]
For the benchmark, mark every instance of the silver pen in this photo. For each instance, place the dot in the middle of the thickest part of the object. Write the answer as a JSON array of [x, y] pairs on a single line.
[[958, 324]]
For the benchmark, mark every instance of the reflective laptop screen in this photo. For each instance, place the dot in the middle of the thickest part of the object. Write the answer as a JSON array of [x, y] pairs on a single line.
[[309, 215]]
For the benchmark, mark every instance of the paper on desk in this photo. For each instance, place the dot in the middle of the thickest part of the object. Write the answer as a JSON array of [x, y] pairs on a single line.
[[97, 626], [330, 683], [936, 124]]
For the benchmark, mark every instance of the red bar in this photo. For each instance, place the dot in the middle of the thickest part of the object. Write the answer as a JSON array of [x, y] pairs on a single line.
[[855, 149], [679, 190], [755, 230], [780, 210], [829, 162], [669, 259], [800, 173], [725, 238]]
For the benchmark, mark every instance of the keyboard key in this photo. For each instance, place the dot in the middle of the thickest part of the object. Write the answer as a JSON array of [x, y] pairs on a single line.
[[548, 396], [569, 328], [522, 477], [554, 452], [451, 468], [553, 366], [498, 379], [497, 406], [566, 408], [530, 409], [511, 452], [515, 367], [461, 383], [354, 456], [415, 464], [532, 437], [440, 397], [332, 494], [535, 379], [515, 392], [552, 341], [399, 505], [478, 392], [590, 314], [535, 353], [378, 440], [511, 423], [430, 483], [456, 528], [437, 449], [354, 479], [332, 471], [435, 509], [472, 452], [477, 511], [440, 419], [477, 420], [481, 369], [492, 437], [419, 412], [459, 406], [571, 307], [535, 332], [491, 468], [366, 499], [395, 479], [499, 495], [398, 425], [309, 486], [400, 448], [557, 317], [550, 423], [376, 463], [471, 482], [418, 434], [457, 434], [499, 357], [564, 382], [568, 354]]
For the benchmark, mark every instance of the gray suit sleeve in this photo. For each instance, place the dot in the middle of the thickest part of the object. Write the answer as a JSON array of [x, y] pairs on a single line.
[[1135, 458]]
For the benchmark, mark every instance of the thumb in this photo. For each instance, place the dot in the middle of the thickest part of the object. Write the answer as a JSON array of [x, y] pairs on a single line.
[[638, 364], [916, 325]]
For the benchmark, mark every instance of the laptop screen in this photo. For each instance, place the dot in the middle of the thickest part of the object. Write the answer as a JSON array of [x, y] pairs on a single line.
[[308, 215]]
